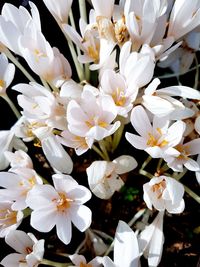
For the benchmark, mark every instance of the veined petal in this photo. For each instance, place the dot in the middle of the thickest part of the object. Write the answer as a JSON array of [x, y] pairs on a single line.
[[136, 141], [124, 164], [81, 217], [64, 228]]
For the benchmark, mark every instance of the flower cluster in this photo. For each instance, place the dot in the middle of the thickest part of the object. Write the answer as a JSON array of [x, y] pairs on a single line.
[[86, 106]]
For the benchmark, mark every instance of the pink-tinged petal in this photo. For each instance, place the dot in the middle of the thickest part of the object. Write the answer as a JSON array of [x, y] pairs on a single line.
[[13, 260], [19, 240], [126, 250], [44, 219], [193, 146], [136, 141], [64, 182], [140, 121], [81, 217], [192, 165], [41, 196], [64, 228], [124, 164]]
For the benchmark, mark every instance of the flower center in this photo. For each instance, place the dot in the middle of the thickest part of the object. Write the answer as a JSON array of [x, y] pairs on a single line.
[[153, 141], [7, 217], [184, 150], [85, 265], [159, 188], [94, 121], [63, 202], [2, 84], [119, 97]]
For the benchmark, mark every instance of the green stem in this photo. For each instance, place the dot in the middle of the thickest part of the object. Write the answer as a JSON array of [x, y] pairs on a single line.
[[196, 83], [99, 152], [159, 165], [54, 263], [117, 137], [167, 76], [180, 175], [136, 217], [145, 173], [45, 84], [72, 22], [104, 150], [146, 162], [192, 194], [12, 105], [82, 8], [19, 65]]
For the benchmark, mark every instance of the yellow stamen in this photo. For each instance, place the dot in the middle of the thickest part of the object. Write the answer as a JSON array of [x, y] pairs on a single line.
[[184, 150], [63, 202], [2, 84], [152, 141], [159, 188], [119, 97], [85, 265]]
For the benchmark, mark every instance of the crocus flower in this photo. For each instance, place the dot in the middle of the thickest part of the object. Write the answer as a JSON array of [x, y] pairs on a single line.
[[163, 193], [60, 206], [7, 72], [29, 250]]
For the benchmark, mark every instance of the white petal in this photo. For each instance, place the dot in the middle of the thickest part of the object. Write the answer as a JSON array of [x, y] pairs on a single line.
[[81, 217], [64, 228], [124, 164], [126, 250]]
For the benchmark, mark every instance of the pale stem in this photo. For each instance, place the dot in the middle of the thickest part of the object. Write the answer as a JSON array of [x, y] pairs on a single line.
[[166, 76], [102, 234], [19, 65], [99, 152], [159, 165], [45, 84], [103, 149], [117, 137], [145, 173], [178, 176], [78, 66], [192, 194], [146, 162], [82, 8], [87, 72], [196, 83], [110, 248], [80, 246], [136, 217], [12, 105], [72, 22], [54, 263]]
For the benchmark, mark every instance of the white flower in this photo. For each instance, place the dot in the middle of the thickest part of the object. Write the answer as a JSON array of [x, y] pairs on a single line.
[[80, 261], [17, 183], [181, 156], [59, 160], [161, 102], [7, 72], [164, 193], [44, 60], [13, 21], [103, 176], [157, 139], [29, 250], [9, 218], [60, 206], [126, 250], [151, 240], [80, 144], [8, 141], [103, 8], [19, 159], [141, 20], [92, 116], [59, 9], [185, 17]]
